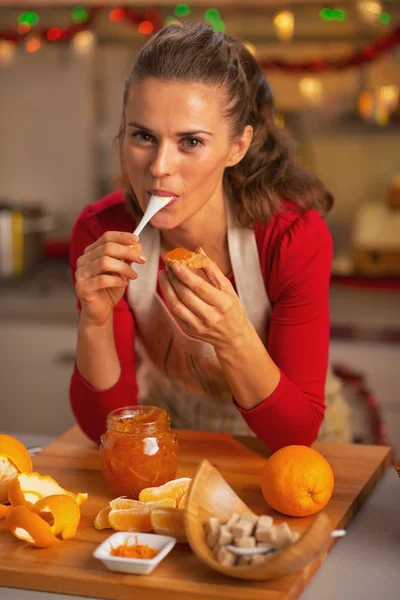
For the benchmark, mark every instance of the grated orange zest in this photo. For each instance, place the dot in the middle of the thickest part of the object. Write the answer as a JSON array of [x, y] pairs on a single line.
[[134, 550]]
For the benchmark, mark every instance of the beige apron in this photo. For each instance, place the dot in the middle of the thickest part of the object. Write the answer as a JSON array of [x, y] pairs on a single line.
[[176, 371]]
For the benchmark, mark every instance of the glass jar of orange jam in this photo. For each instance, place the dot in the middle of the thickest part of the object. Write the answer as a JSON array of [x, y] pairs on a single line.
[[138, 450]]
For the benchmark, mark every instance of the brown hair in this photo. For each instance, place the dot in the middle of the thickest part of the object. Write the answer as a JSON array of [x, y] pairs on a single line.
[[269, 172]]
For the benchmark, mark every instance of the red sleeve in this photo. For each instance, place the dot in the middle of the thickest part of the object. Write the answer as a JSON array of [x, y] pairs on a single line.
[[91, 406], [298, 339]]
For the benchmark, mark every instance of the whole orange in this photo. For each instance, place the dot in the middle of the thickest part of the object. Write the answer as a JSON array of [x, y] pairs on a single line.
[[297, 481]]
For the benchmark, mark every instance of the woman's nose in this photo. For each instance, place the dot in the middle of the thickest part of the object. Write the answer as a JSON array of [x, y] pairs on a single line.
[[162, 163]]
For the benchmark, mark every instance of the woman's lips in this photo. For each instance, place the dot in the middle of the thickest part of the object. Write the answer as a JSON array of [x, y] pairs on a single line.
[[164, 194]]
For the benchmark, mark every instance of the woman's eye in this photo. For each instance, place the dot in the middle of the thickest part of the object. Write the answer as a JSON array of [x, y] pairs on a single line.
[[142, 136], [192, 142]]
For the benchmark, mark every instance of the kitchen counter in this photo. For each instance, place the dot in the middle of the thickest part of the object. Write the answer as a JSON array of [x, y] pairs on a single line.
[[363, 564]]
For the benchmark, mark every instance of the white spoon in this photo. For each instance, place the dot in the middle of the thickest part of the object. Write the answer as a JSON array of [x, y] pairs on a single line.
[[265, 549], [156, 203]]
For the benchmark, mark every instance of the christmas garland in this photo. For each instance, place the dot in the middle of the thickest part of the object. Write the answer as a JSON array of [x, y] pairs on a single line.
[[378, 48]]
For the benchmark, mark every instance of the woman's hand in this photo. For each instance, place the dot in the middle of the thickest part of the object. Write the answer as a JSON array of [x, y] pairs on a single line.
[[207, 310], [103, 273]]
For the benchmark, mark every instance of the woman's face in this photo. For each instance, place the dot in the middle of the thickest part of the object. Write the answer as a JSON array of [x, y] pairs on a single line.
[[177, 143]]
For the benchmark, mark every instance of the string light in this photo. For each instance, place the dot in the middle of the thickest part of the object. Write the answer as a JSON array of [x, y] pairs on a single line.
[[83, 42], [284, 25], [171, 21], [369, 10], [32, 44], [365, 104], [117, 14], [332, 14], [311, 89], [23, 28], [145, 27], [389, 96], [212, 16], [30, 18], [54, 34], [385, 18], [181, 10], [7, 50], [218, 26], [79, 14]]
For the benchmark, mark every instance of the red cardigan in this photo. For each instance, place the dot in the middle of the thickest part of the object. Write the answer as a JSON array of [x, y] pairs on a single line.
[[295, 250]]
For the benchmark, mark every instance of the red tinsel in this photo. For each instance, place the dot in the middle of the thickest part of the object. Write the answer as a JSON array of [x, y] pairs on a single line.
[[357, 382], [368, 54]]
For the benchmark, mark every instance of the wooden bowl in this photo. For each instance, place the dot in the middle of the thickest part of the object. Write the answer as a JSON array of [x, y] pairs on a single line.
[[211, 496]]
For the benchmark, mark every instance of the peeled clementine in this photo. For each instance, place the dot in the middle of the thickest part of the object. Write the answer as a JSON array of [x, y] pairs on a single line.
[[14, 459], [297, 481]]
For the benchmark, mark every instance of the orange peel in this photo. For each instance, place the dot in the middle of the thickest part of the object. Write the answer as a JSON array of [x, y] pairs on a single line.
[[28, 488], [29, 527], [4, 510], [65, 513], [14, 459]]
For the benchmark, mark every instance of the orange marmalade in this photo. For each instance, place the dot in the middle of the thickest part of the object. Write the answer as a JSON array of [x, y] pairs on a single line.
[[138, 450]]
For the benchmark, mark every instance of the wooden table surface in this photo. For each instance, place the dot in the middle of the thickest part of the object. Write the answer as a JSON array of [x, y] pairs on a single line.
[[70, 568]]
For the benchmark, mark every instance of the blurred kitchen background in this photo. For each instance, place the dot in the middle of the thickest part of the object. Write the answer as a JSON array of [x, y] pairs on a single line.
[[335, 72]]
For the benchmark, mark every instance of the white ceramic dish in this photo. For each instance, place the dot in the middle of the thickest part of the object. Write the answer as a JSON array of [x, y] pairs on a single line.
[[136, 566]]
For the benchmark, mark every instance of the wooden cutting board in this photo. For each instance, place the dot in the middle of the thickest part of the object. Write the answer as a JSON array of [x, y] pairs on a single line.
[[69, 567]]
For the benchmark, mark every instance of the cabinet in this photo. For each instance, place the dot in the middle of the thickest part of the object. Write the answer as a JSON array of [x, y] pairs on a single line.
[[37, 360]]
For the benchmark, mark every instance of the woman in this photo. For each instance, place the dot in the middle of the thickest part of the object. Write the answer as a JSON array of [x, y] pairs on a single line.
[[243, 349]]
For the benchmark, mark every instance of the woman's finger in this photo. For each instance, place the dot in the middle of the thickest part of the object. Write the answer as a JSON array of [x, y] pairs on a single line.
[[204, 311], [101, 282], [131, 253], [181, 312], [120, 237], [214, 274], [105, 264], [200, 287]]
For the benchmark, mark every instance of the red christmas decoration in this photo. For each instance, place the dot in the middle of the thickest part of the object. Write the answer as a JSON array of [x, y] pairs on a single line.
[[149, 21], [378, 48]]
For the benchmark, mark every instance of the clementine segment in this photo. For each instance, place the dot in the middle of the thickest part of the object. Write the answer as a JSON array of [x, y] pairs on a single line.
[[166, 520], [297, 481], [182, 501], [101, 521], [14, 459], [174, 489], [131, 519]]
